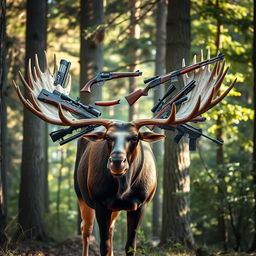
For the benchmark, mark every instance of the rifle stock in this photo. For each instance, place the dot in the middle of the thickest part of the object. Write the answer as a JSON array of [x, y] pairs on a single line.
[[134, 96]]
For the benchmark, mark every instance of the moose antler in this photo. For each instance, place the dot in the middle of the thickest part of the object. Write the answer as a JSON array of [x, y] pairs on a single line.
[[203, 97], [38, 80]]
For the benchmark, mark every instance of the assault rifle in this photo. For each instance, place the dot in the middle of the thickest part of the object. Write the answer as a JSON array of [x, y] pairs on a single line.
[[60, 134], [157, 80], [68, 103], [104, 76], [159, 105], [193, 133]]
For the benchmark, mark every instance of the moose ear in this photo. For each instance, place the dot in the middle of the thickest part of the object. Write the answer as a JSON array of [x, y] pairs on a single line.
[[150, 136], [96, 136]]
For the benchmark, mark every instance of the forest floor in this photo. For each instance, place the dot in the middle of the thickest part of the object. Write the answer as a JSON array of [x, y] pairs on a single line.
[[73, 247]]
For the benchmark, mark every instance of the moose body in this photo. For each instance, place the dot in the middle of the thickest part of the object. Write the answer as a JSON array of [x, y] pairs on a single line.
[[116, 171]]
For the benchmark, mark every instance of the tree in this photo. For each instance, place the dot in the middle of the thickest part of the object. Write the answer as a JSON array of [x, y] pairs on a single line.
[[91, 45], [91, 50], [158, 92], [134, 51], [32, 186], [176, 225], [3, 114], [222, 224]]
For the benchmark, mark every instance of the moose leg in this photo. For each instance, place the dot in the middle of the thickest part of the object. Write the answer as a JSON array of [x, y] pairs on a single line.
[[103, 216], [114, 216], [134, 219], [87, 215]]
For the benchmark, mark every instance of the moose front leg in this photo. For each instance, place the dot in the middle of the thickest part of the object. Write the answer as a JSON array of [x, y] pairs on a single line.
[[103, 216], [87, 215], [133, 221]]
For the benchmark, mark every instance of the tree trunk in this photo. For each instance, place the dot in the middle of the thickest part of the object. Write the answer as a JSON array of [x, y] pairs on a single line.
[[134, 51], [91, 46], [3, 128], [91, 52], [32, 187], [158, 146], [222, 222], [253, 246], [175, 226]]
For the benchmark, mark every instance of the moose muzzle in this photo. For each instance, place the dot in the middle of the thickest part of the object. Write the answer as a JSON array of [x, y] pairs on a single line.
[[117, 164]]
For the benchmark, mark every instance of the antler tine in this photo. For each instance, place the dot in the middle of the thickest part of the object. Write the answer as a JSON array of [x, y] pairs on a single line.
[[30, 76], [194, 59], [207, 103], [35, 74], [74, 122], [33, 101], [208, 57], [219, 81], [185, 77], [214, 70], [55, 68], [38, 70], [25, 84], [46, 64], [219, 99], [201, 55]]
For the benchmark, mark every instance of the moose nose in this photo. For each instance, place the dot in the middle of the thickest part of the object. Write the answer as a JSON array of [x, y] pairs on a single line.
[[117, 160], [117, 164]]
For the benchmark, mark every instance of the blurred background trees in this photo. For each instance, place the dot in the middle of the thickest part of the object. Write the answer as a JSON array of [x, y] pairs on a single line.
[[112, 35]]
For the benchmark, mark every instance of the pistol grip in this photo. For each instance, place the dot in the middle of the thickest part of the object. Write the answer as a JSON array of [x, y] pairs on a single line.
[[87, 87], [192, 144], [134, 96]]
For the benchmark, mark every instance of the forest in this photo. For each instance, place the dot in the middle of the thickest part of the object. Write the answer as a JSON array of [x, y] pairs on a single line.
[[205, 200]]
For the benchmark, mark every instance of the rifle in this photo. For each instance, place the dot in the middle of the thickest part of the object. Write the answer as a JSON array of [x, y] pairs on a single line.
[[104, 76], [69, 104], [159, 105], [157, 80], [193, 133], [179, 98], [62, 73], [60, 134]]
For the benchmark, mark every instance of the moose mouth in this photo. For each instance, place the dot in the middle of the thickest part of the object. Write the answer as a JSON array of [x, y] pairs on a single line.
[[118, 173]]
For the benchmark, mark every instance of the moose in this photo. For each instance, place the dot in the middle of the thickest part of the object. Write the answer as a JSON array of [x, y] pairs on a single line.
[[115, 168]]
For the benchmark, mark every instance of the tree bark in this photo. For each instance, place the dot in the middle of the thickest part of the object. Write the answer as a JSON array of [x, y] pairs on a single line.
[[253, 246], [3, 127], [158, 93], [176, 225], [91, 53], [222, 222], [134, 51], [91, 46], [32, 187]]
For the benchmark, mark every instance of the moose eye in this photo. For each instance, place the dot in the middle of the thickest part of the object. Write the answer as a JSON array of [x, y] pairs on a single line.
[[134, 138]]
